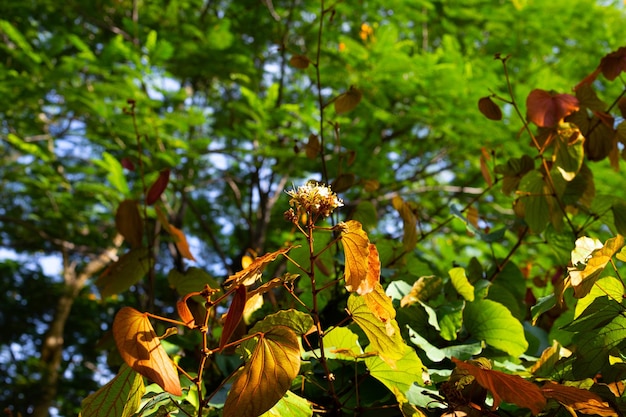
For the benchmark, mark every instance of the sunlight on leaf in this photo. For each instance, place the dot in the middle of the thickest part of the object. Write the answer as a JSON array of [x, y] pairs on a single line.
[[266, 376], [128, 222], [125, 272], [578, 400], [408, 370], [342, 343], [180, 240], [141, 349], [583, 280], [409, 221], [461, 284], [290, 405], [183, 311], [357, 253], [234, 315], [299, 322], [252, 272], [119, 397], [509, 388]]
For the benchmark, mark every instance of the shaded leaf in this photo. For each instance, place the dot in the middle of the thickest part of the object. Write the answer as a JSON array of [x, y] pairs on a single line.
[[461, 284], [569, 153], [141, 349], [613, 64], [577, 400], [300, 323], [492, 322], [548, 109], [534, 201], [312, 147], [233, 317], [357, 253], [252, 272], [119, 397], [503, 387], [192, 280], [619, 216], [128, 222], [299, 61], [348, 100], [125, 272], [489, 109], [343, 182], [266, 376], [594, 347], [157, 188]]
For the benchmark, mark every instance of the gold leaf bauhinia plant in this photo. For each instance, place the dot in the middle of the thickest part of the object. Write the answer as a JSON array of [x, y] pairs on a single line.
[[274, 348]]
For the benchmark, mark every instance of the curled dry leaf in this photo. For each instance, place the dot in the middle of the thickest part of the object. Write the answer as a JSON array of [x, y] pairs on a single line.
[[183, 310], [141, 349], [546, 109], [252, 272]]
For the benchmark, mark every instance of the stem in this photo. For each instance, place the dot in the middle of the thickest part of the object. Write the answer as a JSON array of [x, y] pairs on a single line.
[[320, 99]]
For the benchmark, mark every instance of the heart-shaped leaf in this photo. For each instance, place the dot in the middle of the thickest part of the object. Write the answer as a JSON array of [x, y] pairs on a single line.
[[119, 397]]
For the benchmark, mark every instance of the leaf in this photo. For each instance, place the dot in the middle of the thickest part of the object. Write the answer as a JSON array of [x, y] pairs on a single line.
[[342, 343], [116, 172], [120, 397], [252, 272], [128, 222], [266, 376], [535, 193], [613, 64], [610, 287], [375, 315], [183, 311], [503, 387], [141, 349], [576, 399], [548, 109], [407, 370], [192, 280], [492, 322], [594, 347], [312, 147], [300, 323], [569, 153], [157, 188], [290, 405], [409, 239], [357, 253], [348, 101], [489, 109], [299, 61], [343, 182], [125, 272], [582, 281], [235, 312], [461, 284], [180, 240], [619, 215]]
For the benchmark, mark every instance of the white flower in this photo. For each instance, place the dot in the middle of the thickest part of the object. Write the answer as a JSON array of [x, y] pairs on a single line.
[[315, 198]]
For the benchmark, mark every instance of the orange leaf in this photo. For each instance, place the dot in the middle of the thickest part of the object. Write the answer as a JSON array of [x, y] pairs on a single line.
[[489, 109], [503, 387], [312, 147], [252, 272], [128, 222], [184, 312], [180, 240], [357, 252], [157, 188], [141, 349], [235, 312], [266, 376], [578, 399], [547, 110], [613, 64], [372, 277]]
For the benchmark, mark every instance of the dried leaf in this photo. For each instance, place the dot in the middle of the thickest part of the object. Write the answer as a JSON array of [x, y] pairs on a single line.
[[357, 252], [348, 100], [235, 312], [313, 147], [547, 110], [299, 61], [252, 273], [128, 222], [489, 109], [157, 188], [578, 399], [183, 310], [503, 387], [141, 349], [266, 376], [583, 280]]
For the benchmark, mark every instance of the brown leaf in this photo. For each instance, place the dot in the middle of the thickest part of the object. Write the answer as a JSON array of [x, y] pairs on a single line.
[[489, 109], [373, 274], [312, 147], [484, 169], [503, 387], [547, 110], [141, 349], [233, 317], [183, 310], [299, 61], [343, 183], [252, 272], [613, 64], [357, 252], [266, 376], [348, 100], [578, 399], [157, 188], [128, 222], [180, 240]]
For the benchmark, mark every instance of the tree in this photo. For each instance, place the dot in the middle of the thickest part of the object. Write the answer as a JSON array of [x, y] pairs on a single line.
[[180, 123]]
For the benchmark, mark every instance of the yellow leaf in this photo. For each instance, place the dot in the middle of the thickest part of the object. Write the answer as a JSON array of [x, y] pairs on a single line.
[[357, 252], [348, 100], [180, 240], [583, 280], [266, 376], [141, 349], [252, 272], [128, 222], [409, 240]]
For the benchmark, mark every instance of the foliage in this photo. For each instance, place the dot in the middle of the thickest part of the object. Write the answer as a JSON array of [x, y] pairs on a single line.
[[149, 147]]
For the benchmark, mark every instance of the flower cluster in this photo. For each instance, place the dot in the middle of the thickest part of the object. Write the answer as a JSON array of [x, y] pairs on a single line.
[[315, 198]]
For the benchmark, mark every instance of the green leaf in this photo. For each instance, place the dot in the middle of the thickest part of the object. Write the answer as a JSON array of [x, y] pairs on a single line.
[[290, 405], [14, 35], [597, 314], [408, 370], [125, 272], [492, 322], [619, 216], [611, 287], [543, 304], [296, 320], [534, 201], [594, 347], [450, 317], [461, 283], [434, 354], [583, 280], [116, 172], [26, 147], [381, 328], [192, 280], [569, 153], [119, 397], [267, 374], [342, 343]]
